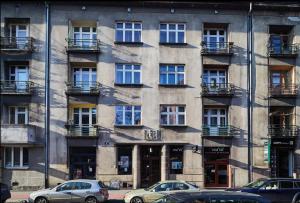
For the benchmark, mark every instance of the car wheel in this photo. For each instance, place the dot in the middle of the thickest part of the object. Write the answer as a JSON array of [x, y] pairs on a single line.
[[136, 200], [91, 200], [41, 200]]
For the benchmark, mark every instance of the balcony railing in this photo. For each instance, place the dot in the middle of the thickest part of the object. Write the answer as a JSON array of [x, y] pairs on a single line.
[[217, 130], [82, 130], [283, 50], [276, 90], [16, 87], [83, 87], [217, 89], [17, 44], [283, 131], [83, 45], [217, 48]]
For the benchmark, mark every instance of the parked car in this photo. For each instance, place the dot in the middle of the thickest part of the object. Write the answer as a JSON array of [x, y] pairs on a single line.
[[212, 197], [79, 191], [4, 192], [277, 190], [157, 191]]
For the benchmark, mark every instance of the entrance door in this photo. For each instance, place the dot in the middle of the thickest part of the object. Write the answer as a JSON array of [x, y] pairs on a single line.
[[150, 165], [284, 163], [82, 162]]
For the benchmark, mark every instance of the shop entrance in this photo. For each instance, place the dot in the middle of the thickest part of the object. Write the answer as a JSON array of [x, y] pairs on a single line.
[[82, 162], [150, 165], [283, 166], [216, 165]]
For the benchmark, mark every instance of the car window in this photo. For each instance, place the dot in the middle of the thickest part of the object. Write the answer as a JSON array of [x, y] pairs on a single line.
[[180, 186], [272, 185], [66, 186], [297, 184], [286, 184], [85, 186], [163, 187]]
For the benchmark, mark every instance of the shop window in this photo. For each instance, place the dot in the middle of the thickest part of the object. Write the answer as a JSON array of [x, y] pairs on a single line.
[[176, 159], [124, 160]]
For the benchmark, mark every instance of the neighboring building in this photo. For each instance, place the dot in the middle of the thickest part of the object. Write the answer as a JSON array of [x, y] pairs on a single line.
[[148, 91]]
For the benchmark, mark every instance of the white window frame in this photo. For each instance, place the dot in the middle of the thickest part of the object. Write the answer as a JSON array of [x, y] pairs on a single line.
[[80, 113], [176, 113], [91, 34], [132, 70], [218, 76], [167, 30], [124, 29], [133, 111], [17, 113], [176, 72], [12, 158], [218, 36], [17, 68], [92, 72], [17, 29], [209, 115]]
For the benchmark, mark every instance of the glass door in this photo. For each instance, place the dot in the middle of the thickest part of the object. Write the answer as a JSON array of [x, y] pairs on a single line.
[[85, 37], [216, 121], [214, 80], [18, 75], [19, 34], [84, 78], [215, 39], [84, 119]]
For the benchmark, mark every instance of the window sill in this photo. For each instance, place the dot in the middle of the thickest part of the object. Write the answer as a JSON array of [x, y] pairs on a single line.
[[173, 126], [172, 86], [17, 168], [128, 126], [129, 43], [173, 44], [129, 85]]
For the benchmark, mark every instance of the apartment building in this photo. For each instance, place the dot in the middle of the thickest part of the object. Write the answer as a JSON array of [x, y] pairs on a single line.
[[149, 91]]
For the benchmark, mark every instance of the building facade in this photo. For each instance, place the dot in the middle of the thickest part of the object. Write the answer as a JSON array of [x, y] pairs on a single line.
[[149, 91]]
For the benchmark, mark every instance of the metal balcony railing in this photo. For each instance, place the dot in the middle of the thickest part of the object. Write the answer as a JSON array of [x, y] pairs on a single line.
[[217, 89], [81, 130], [217, 130], [217, 47], [283, 50], [83, 87], [17, 44], [91, 45], [283, 130], [16, 87], [283, 89]]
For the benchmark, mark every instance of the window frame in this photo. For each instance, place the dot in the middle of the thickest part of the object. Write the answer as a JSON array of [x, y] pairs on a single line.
[[132, 29], [122, 150], [168, 113], [167, 30], [123, 71], [218, 116], [21, 155], [17, 29], [17, 113], [208, 76], [176, 73], [80, 114], [133, 111], [208, 35]]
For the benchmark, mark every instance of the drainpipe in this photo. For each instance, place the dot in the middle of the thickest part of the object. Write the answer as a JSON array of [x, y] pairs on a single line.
[[249, 90], [47, 94]]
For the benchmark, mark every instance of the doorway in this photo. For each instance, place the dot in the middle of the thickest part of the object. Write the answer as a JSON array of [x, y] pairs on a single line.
[[82, 162], [150, 165], [284, 163]]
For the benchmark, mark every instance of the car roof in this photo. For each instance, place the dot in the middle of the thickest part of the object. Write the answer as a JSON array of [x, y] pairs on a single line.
[[292, 179], [182, 195], [172, 181], [84, 180]]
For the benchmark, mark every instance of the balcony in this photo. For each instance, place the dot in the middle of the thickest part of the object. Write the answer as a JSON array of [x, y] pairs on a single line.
[[18, 134], [9, 87], [83, 45], [217, 48], [83, 88], [81, 130], [17, 44], [218, 130], [285, 50], [283, 90], [283, 131], [217, 89]]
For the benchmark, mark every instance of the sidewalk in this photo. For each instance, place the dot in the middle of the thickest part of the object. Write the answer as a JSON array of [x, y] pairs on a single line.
[[19, 196]]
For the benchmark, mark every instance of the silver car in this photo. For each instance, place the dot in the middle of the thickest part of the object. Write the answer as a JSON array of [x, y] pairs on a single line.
[[74, 191]]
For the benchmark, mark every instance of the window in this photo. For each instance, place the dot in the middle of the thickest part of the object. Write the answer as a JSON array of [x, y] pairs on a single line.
[[16, 157], [172, 33], [84, 117], [215, 117], [163, 187], [172, 115], [84, 77], [172, 74], [128, 115], [176, 159], [214, 77], [286, 184], [215, 38], [84, 36], [18, 115], [272, 185], [128, 74], [18, 77], [18, 34], [124, 160], [128, 32]]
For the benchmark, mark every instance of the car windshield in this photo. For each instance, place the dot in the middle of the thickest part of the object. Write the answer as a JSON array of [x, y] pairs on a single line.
[[151, 187], [256, 184]]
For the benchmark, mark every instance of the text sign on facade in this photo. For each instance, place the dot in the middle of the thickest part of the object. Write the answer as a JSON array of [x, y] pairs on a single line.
[[216, 150], [152, 135]]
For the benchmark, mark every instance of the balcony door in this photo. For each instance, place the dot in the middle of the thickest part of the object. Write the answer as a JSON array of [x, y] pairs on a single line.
[[215, 39], [215, 121], [19, 34], [84, 78], [84, 37], [18, 76], [214, 79], [279, 43], [84, 119]]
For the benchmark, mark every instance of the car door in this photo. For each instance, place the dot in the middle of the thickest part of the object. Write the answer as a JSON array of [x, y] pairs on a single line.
[[61, 193], [158, 192], [287, 190], [270, 190]]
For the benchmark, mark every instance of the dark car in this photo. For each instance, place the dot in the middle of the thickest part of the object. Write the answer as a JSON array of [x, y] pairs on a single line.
[[4, 193], [212, 197], [277, 190]]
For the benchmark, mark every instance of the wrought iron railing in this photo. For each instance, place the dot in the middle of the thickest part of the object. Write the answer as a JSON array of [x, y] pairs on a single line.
[[217, 130], [17, 44], [283, 130], [217, 89], [217, 47], [83, 87], [83, 44], [16, 87], [284, 49], [283, 89], [81, 130]]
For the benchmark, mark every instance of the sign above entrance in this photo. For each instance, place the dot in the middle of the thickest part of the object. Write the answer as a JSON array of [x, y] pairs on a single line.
[[216, 150], [152, 135], [283, 143]]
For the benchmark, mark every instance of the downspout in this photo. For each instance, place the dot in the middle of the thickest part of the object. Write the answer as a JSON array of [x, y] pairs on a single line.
[[47, 94], [249, 88]]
